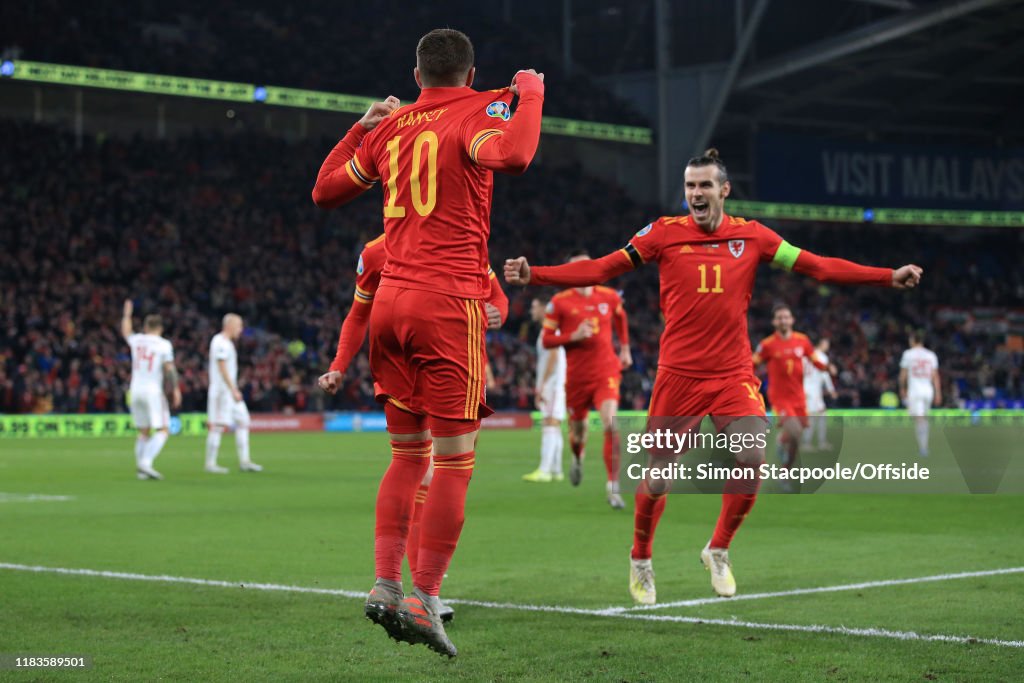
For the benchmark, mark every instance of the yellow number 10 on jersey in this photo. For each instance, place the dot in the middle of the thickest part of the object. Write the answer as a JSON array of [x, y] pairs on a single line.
[[428, 139]]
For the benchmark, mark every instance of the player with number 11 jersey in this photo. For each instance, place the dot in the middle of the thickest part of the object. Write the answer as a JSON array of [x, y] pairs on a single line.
[[707, 263]]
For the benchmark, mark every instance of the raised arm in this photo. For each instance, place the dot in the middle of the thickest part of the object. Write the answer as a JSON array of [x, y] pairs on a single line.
[[511, 150], [340, 179], [126, 319]]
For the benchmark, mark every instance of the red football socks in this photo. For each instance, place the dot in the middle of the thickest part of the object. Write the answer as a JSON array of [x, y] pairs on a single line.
[[611, 453], [737, 499], [575, 446], [409, 462], [443, 515], [647, 512], [412, 546]]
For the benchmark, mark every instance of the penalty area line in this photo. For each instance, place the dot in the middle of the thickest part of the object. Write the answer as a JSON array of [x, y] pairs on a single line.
[[610, 613]]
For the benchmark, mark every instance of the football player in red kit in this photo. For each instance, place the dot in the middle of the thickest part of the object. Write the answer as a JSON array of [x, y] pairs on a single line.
[[350, 340], [707, 261], [582, 320], [784, 353], [435, 159]]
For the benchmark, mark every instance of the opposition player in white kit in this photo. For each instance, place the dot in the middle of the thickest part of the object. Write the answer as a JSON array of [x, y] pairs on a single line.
[[920, 387], [816, 383], [550, 401], [153, 376], [225, 407]]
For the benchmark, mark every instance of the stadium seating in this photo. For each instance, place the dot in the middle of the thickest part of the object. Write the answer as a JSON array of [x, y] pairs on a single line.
[[312, 47], [214, 223]]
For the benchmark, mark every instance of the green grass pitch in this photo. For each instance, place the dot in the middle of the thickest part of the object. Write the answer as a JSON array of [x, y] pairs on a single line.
[[307, 521]]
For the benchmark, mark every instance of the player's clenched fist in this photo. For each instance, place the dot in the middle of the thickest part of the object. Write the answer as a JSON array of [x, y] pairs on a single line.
[[527, 81], [330, 382], [377, 111], [517, 271], [584, 331], [907, 277]]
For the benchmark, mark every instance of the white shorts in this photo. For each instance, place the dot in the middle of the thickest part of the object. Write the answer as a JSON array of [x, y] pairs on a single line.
[[554, 402], [815, 405], [223, 409], [149, 408], [918, 404]]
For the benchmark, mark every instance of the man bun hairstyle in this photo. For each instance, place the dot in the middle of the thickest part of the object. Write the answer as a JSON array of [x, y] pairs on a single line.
[[444, 57], [710, 158]]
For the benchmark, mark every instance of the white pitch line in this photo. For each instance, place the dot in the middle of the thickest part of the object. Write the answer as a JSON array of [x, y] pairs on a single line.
[[32, 498], [822, 589], [614, 613]]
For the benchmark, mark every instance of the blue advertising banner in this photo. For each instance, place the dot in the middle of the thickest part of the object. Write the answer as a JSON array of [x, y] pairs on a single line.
[[804, 169]]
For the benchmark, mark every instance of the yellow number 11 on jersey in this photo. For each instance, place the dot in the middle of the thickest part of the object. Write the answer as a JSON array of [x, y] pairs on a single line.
[[703, 289], [423, 206]]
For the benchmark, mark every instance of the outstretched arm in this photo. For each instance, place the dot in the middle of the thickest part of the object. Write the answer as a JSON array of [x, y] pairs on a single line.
[[511, 150], [337, 182], [576, 274], [843, 272]]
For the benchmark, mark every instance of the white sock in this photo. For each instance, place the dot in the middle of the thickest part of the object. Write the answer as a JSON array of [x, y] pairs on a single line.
[[548, 437], [820, 428], [556, 451], [212, 446], [921, 430], [140, 449], [153, 448], [242, 444], [805, 440]]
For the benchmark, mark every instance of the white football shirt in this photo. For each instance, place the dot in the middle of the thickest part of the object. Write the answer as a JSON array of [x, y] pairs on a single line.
[[557, 378], [222, 348], [920, 363], [149, 353], [816, 381]]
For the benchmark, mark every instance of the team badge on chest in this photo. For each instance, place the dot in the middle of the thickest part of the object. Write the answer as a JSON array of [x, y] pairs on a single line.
[[602, 309], [736, 247]]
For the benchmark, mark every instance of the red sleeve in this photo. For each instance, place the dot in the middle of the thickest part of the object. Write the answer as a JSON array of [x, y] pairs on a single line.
[[510, 148], [353, 331], [344, 175], [552, 322], [497, 297], [583, 273], [646, 243], [841, 271], [812, 356], [620, 324]]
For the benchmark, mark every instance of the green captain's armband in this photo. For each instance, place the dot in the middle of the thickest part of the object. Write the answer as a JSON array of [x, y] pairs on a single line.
[[786, 255]]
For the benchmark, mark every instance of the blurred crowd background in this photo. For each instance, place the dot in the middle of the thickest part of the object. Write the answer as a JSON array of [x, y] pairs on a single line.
[[199, 226]]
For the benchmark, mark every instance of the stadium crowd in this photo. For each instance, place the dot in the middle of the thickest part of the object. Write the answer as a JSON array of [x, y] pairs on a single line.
[[307, 46], [196, 227]]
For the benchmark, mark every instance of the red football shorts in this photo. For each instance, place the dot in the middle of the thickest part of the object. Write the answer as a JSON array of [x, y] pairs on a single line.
[[583, 394], [723, 398], [427, 353], [787, 409]]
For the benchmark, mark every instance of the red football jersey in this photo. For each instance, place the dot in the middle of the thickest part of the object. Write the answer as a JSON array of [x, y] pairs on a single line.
[[437, 200], [369, 269], [785, 361], [706, 284], [594, 356]]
